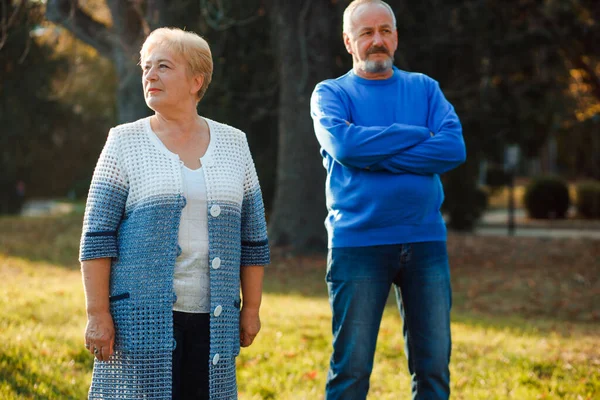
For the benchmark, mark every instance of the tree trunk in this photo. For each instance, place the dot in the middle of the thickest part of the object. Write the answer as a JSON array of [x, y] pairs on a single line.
[[121, 42], [131, 29], [303, 33]]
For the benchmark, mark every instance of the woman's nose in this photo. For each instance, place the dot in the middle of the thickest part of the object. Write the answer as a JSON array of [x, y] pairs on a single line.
[[150, 74]]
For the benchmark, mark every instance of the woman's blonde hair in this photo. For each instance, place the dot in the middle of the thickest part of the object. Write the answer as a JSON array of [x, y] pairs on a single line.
[[192, 47]]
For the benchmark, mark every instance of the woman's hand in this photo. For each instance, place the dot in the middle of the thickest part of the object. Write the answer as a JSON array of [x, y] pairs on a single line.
[[251, 279], [100, 335], [249, 325]]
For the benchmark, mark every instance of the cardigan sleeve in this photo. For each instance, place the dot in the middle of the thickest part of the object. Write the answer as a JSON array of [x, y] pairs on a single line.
[[105, 204], [255, 243]]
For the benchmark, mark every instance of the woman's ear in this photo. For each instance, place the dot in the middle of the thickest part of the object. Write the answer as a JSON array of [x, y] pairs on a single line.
[[197, 83]]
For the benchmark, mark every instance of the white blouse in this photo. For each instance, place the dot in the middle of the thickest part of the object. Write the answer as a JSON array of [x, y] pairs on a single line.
[[191, 278]]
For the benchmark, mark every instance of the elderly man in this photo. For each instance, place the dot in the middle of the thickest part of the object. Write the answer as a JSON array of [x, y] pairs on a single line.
[[386, 135]]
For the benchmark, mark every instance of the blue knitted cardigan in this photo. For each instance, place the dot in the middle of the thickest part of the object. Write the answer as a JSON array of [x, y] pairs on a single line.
[[132, 216]]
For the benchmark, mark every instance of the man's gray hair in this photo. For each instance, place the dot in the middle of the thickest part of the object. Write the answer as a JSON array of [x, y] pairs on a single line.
[[355, 4]]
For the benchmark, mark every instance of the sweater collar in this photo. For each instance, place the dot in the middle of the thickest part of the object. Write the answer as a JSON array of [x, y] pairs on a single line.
[[206, 160], [375, 82]]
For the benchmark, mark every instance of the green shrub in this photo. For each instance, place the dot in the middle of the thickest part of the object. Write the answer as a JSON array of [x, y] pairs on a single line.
[[588, 199], [547, 197], [10, 201], [464, 200], [464, 206], [496, 177]]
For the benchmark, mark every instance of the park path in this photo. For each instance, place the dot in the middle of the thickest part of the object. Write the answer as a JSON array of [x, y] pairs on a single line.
[[495, 223], [492, 223]]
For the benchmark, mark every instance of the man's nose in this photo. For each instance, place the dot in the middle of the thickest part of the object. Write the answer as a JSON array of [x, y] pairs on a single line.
[[377, 38]]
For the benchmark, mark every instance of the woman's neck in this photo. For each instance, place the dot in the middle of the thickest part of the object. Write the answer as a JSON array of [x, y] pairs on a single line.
[[176, 126]]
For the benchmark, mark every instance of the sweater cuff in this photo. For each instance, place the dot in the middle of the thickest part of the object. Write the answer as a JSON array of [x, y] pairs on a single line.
[[255, 253], [98, 245]]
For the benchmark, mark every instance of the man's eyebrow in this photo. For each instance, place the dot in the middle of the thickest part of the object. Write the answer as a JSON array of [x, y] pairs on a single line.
[[368, 28]]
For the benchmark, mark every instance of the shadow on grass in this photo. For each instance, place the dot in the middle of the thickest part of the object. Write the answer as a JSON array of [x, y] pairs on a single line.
[[54, 240]]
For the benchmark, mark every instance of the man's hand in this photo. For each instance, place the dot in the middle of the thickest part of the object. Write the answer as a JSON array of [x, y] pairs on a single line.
[[249, 326], [100, 335]]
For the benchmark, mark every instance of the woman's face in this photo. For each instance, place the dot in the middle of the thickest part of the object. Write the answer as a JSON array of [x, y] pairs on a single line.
[[167, 81]]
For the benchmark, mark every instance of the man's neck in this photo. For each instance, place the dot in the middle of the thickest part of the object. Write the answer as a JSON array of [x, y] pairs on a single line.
[[373, 75]]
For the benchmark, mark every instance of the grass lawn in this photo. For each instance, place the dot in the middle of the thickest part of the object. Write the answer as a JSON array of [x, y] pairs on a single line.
[[526, 321]]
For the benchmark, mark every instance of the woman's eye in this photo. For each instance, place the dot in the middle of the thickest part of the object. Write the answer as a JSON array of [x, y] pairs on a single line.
[[163, 66]]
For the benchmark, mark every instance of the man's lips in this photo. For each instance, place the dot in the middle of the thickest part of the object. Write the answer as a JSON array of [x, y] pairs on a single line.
[[378, 50], [152, 90]]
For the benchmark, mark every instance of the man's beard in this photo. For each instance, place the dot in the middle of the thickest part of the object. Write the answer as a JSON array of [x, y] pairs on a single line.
[[377, 66]]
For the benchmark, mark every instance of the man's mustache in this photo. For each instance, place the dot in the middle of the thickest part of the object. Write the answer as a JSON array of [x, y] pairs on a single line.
[[378, 49]]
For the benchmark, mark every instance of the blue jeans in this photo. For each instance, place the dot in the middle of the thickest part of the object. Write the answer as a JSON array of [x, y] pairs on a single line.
[[359, 281]]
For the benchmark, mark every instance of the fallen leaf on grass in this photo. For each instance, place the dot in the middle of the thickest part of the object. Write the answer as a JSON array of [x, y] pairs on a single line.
[[311, 375]]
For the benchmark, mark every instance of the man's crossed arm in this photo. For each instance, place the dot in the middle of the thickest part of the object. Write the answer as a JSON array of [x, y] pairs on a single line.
[[398, 148]]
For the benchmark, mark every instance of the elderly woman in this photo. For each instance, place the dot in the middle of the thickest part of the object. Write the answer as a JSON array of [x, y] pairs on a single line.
[[174, 226]]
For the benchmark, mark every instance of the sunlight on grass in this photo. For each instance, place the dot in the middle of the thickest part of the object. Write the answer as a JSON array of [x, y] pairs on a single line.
[[512, 338], [290, 358], [41, 325], [42, 356]]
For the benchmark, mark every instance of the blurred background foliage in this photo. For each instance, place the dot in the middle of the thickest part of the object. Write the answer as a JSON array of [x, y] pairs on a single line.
[[520, 72]]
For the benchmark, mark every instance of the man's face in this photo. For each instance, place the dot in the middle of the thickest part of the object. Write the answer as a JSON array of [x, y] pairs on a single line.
[[372, 41]]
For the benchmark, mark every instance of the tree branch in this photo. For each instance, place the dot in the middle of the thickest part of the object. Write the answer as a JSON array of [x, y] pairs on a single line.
[[216, 16], [69, 15], [6, 21], [571, 50], [155, 14], [578, 61]]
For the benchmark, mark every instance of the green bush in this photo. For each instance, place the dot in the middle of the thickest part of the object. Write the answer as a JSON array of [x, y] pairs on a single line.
[[464, 205], [547, 197], [588, 199], [10, 200], [496, 177]]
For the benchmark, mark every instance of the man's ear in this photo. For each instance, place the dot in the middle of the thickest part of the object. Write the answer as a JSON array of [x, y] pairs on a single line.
[[347, 42]]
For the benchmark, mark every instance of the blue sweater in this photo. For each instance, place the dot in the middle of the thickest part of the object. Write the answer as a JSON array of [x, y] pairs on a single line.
[[384, 144]]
